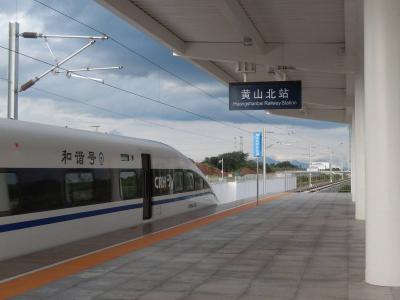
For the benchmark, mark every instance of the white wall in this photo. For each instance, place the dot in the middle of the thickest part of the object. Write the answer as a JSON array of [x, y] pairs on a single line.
[[233, 191]]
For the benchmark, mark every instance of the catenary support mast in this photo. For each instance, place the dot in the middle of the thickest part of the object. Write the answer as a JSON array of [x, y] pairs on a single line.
[[12, 109]]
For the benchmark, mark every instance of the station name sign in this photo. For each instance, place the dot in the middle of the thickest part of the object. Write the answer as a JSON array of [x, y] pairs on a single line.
[[265, 95]]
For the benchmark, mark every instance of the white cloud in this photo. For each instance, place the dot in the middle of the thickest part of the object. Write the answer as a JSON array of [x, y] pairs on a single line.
[[141, 77], [293, 147]]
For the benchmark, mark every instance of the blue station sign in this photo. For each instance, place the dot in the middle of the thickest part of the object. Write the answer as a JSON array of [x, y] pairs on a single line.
[[257, 144], [265, 95]]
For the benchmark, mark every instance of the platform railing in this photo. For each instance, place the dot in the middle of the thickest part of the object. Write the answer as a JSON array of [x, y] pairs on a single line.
[[245, 187], [248, 177], [314, 179], [303, 179]]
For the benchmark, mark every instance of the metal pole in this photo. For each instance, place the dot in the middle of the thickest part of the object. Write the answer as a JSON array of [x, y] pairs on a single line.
[[285, 181], [89, 69], [349, 154], [13, 45], [343, 159], [264, 153], [222, 169], [309, 168], [257, 182], [330, 167]]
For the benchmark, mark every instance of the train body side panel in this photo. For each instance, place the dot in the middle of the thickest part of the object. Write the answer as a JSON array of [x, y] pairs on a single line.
[[33, 146], [28, 239]]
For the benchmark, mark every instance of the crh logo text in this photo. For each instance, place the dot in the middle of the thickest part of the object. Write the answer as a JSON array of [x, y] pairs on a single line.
[[163, 182]]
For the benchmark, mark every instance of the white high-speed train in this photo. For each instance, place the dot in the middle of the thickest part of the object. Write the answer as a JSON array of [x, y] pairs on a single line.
[[58, 185]]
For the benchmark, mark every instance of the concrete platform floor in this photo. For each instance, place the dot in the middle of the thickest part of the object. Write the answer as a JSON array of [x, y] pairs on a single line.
[[305, 246]]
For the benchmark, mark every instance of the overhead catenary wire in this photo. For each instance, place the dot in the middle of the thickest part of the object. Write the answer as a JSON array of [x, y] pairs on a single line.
[[131, 116], [133, 51], [201, 116], [123, 114], [123, 45], [141, 120]]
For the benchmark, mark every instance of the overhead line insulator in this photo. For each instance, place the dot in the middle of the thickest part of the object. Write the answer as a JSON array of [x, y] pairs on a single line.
[[30, 35]]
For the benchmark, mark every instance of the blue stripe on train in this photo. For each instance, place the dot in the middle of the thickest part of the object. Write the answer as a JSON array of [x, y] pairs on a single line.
[[85, 214], [158, 202]]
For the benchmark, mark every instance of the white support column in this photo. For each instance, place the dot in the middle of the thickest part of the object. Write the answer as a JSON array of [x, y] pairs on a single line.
[[382, 111], [359, 153], [353, 159], [359, 115]]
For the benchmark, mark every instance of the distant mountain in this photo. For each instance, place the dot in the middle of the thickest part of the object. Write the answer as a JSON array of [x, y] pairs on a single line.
[[271, 161], [297, 163], [300, 164]]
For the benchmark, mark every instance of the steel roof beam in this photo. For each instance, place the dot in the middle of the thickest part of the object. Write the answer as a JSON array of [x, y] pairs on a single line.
[[308, 57], [239, 19], [137, 17], [215, 71]]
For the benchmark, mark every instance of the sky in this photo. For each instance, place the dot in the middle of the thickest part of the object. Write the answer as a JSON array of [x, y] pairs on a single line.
[[194, 118]]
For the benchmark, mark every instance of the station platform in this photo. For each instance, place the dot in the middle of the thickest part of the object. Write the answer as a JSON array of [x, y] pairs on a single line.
[[295, 246]]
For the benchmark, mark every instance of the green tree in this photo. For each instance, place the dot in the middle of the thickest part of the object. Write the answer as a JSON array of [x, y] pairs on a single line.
[[284, 165], [232, 160]]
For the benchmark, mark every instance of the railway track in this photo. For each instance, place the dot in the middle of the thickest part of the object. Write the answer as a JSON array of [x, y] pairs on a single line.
[[323, 186]]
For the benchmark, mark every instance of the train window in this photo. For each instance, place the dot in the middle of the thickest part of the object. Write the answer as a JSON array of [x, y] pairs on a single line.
[[40, 189], [128, 185], [124, 157], [198, 183], [9, 198], [79, 187], [188, 181], [178, 181], [102, 185]]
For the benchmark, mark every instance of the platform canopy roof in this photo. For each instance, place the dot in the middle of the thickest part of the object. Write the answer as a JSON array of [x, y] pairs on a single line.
[[314, 41]]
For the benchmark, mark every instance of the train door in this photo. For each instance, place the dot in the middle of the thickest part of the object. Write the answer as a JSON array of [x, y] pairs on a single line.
[[147, 186]]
